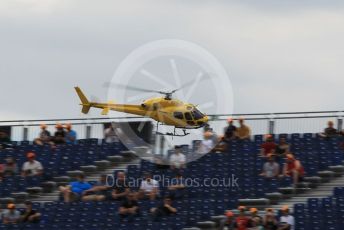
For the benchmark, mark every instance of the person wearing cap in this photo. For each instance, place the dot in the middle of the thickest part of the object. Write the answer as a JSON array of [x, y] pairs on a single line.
[[271, 168], [227, 222], [177, 159], [11, 215], [149, 188], [253, 219], [60, 135], [229, 132], [71, 135], [74, 191], [242, 221], [29, 214], [293, 168], [243, 132], [44, 136], [268, 147], [32, 167], [287, 221], [269, 221]]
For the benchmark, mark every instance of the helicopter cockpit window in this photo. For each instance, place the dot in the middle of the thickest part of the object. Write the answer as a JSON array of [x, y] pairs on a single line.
[[178, 115], [188, 116], [197, 114]]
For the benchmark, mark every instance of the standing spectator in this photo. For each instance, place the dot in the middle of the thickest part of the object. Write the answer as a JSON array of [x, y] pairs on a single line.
[[60, 135], [268, 147], [129, 208], [243, 132], [149, 188], [110, 134], [283, 147], [242, 221], [44, 136], [74, 191], [177, 187], [165, 209], [32, 167], [254, 216], [177, 159], [269, 221], [271, 168], [207, 143], [330, 131], [98, 192], [228, 222], [230, 131], [293, 168], [287, 221], [10, 168], [29, 214], [121, 187], [71, 135], [5, 141], [11, 215]]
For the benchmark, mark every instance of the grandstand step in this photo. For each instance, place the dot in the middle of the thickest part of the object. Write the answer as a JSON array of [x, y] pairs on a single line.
[[20, 197], [103, 164], [88, 169], [73, 174], [337, 169], [48, 186], [34, 191], [115, 159], [206, 225], [217, 220], [254, 202], [326, 175], [274, 197], [314, 181], [6, 200], [287, 192], [128, 154]]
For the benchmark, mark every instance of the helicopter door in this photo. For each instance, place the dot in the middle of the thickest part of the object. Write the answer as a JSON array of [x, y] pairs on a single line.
[[189, 118]]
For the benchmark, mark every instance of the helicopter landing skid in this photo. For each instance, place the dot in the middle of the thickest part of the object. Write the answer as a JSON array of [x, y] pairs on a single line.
[[171, 134]]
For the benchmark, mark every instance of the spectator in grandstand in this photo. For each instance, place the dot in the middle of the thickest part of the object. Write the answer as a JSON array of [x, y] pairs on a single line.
[[230, 130], [268, 147], [242, 221], [120, 188], [207, 143], [228, 222], [256, 224], [269, 221], [283, 147], [5, 141], [11, 215], [74, 190], [287, 221], [149, 188], [177, 187], [177, 159], [330, 131], [98, 192], [60, 135], [253, 219], [44, 136], [271, 168], [32, 167], [293, 168], [164, 209], [161, 162], [129, 208], [10, 167], [110, 134], [243, 132], [71, 135], [29, 214]]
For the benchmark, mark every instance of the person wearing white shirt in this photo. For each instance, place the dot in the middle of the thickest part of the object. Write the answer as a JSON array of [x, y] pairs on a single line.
[[287, 221], [110, 135], [149, 188], [177, 159], [32, 167]]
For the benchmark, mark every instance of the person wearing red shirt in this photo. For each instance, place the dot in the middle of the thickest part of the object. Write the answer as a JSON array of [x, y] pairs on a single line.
[[293, 168], [242, 221], [268, 147]]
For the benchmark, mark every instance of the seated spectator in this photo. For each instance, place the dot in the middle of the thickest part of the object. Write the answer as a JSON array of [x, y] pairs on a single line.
[[129, 208], [29, 214], [269, 221], [32, 167], [5, 141], [268, 147], [163, 210], [230, 131], [256, 224], [255, 220], [74, 191], [110, 134], [283, 147], [121, 188], [10, 168], [287, 221], [177, 187], [228, 222], [207, 143], [242, 221], [98, 192], [149, 188], [60, 135], [177, 159], [44, 136], [293, 168], [271, 168], [243, 132], [330, 131], [161, 162], [11, 215], [71, 135]]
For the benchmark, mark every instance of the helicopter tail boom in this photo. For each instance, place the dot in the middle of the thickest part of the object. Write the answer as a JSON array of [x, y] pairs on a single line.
[[84, 102]]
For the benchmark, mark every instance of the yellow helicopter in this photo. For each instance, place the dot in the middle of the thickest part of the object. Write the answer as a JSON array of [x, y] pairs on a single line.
[[165, 110]]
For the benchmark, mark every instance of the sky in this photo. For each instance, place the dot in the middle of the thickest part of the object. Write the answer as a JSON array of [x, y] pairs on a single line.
[[280, 56]]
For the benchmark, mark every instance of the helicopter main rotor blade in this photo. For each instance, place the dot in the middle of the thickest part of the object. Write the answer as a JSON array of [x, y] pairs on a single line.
[[111, 85], [187, 84]]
